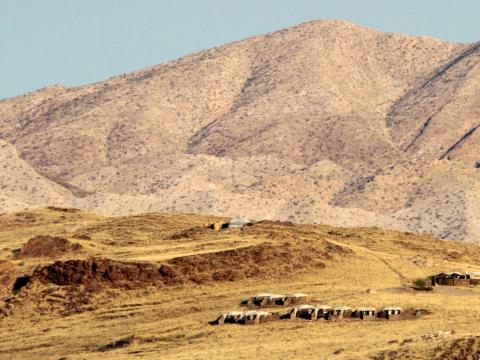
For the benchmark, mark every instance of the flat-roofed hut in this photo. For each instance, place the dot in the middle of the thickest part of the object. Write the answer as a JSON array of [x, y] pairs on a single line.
[[365, 313], [255, 317], [391, 312], [297, 298], [311, 312], [230, 318], [304, 311], [324, 312], [262, 299], [277, 299], [341, 312]]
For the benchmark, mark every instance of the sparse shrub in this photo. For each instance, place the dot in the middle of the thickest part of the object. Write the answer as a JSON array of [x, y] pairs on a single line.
[[421, 285]]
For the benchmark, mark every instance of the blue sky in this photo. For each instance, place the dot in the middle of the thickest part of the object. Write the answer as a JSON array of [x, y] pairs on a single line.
[[74, 42]]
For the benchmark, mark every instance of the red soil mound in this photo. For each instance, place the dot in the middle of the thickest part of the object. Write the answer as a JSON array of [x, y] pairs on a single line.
[[6, 268], [79, 280], [8, 275], [260, 261], [46, 246], [96, 272]]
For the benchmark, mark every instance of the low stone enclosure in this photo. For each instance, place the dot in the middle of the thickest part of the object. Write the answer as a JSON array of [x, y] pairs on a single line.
[[310, 312], [319, 313], [243, 317], [269, 300]]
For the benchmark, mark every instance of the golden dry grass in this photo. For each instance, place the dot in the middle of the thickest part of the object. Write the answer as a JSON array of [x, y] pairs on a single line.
[[171, 322]]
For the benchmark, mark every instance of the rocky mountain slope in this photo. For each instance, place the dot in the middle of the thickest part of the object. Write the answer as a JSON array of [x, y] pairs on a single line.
[[324, 122]]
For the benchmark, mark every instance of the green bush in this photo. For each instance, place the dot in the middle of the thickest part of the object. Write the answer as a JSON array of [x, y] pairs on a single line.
[[421, 285]]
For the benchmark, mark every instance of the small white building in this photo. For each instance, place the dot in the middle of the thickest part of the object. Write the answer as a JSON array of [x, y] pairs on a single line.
[[472, 275], [391, 312], [366, 313], [239, 223]]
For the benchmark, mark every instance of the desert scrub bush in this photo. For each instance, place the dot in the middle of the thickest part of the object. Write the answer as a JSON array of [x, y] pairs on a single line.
[[421, 285]]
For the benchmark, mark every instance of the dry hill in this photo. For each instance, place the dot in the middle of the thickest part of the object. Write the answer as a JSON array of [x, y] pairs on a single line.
[[77, 285], [324, 122]]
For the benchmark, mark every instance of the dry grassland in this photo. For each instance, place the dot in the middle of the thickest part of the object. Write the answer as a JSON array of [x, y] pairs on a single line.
[[170, 321]]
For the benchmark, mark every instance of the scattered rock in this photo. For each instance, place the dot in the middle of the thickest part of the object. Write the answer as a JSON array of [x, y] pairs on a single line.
[[459, 349], [430, 336], [63, 209], [116, 344], [420, 262], [82, 236], [276, 223]]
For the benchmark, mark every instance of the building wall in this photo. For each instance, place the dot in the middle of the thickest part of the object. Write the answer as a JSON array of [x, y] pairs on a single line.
[[452, 282], [462, 282], [392, 316]]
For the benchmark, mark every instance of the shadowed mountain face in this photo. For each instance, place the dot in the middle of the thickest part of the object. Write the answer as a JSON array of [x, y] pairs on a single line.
[[324, 122]]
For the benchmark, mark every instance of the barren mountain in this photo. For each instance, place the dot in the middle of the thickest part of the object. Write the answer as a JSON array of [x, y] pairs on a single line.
[[22, 187], [324, 122]]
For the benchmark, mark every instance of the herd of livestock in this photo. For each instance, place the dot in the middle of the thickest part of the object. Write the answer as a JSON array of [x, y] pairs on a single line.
[[301, 309]]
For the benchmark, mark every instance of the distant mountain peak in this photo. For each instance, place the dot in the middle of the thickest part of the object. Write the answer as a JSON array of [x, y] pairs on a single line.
[[326, 122]]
